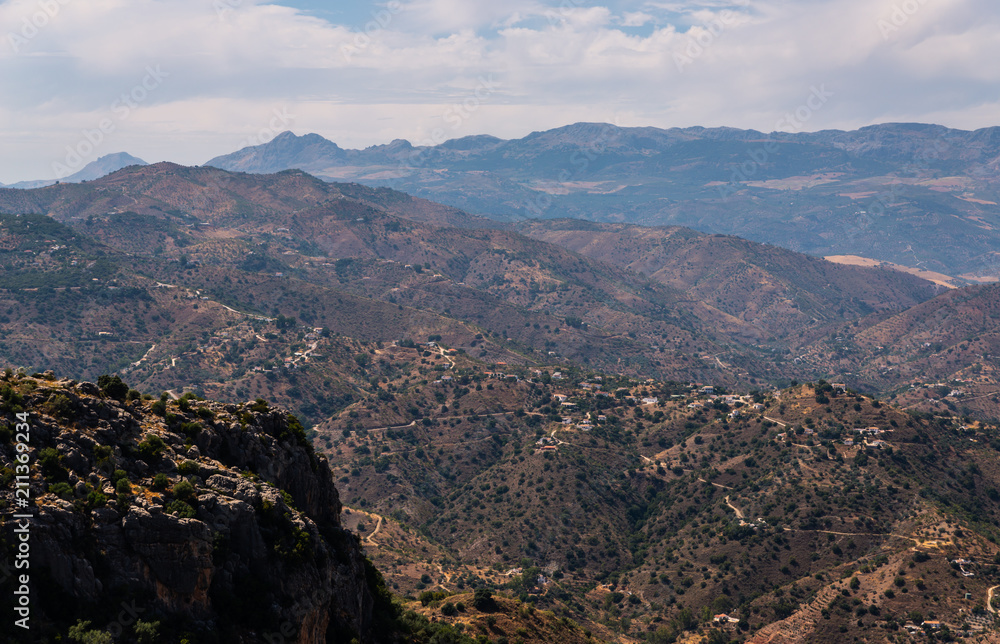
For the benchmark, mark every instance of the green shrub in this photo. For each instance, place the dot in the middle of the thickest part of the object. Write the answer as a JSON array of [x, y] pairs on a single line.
[[151, 448], [62, 490], [113, 386], [482, 599], [160, 408], [184, 491], [160, 482], [96, 499], [51, 464], [147, 632], [187, 468], [191, 430], [81, 632], [183, 510]]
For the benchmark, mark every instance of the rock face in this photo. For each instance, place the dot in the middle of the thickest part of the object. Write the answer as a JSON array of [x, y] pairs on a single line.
[[216, 521]]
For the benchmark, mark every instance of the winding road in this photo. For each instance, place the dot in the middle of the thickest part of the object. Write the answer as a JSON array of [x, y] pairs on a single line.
[[378, 526]]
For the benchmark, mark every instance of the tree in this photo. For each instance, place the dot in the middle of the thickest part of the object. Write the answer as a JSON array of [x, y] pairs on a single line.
[[113, 386], [483, 600]]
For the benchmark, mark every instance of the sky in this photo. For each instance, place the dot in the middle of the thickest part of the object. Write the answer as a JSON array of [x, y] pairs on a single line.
[[187, 80]]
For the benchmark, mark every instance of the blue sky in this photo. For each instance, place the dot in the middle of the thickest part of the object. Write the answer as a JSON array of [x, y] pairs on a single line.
[[186, 80]]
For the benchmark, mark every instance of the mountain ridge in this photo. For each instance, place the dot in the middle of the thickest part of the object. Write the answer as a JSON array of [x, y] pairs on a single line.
[[96, 169], [917, 195]]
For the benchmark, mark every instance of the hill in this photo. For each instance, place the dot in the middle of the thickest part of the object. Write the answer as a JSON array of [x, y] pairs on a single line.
[[773, 289], [650, 518], [920, 196]]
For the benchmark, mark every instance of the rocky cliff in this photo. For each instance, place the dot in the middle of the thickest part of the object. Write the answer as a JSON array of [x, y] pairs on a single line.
[[157, 520]]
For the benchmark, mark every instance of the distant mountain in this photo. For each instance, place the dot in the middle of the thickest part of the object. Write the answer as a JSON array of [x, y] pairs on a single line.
[[678, 314], [778, 291], [94, 170], [922, 196]]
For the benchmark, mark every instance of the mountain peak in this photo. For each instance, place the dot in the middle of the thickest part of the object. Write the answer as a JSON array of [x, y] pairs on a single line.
[[96, 169]]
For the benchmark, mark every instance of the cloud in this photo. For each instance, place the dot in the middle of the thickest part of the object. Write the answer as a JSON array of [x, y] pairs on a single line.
[[398, 72], [636, 19]]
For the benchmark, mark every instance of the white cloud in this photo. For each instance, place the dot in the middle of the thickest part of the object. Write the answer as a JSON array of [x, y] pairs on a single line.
[[552, 63], [636, 19]]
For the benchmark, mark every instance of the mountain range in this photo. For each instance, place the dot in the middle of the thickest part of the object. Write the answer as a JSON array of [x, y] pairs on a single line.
[[921, 196], [624, 432], [376, 265]]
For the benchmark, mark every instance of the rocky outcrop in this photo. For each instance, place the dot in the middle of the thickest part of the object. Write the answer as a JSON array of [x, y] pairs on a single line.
[[217, 522]]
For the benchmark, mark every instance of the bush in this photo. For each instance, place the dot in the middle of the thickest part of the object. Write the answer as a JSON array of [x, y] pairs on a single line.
[[96, 499], [81, 632], [113, 386], [160, 482], [183, 510], [151, 448], [184, 491], [51, 464], [448, 609], [147, 632], [62, 490], [482, 599], [188, 468], [160, 408]]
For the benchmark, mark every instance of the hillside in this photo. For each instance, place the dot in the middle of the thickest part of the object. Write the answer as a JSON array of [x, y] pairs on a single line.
[[920, 196], [777, 290], [650, 518], [210, 257]]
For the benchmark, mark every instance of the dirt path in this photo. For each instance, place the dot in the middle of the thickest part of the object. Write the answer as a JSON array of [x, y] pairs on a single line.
[[143, 358], [718, 485], [739, 513], [775, 420], [378, 526], [989, 600]]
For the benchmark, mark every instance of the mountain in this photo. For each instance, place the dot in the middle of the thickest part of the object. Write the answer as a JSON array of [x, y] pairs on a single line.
[[920, 196], [549, 431], [528, 299], [94, 170], [773, 289], [658, 507]]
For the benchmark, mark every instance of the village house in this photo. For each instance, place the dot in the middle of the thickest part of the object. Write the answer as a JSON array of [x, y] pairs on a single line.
[[722, 618]]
